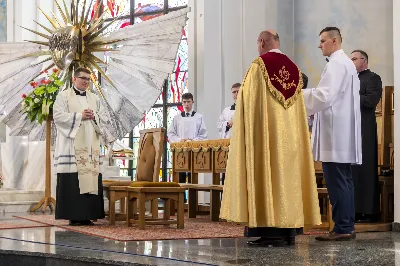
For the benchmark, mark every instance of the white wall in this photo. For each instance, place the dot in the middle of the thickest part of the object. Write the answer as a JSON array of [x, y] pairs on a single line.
[[23, 13], [360, 26]]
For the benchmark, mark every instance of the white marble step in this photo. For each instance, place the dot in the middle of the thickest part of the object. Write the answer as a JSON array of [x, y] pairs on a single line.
[[16, 206], [13, 195]]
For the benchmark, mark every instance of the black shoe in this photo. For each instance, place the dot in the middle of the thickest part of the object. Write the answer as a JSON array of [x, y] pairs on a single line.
[[266, 241], [290, 240], [87, 222], [75, 223]]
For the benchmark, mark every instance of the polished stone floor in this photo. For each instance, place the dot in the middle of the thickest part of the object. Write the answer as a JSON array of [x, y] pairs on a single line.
[[368, 249]]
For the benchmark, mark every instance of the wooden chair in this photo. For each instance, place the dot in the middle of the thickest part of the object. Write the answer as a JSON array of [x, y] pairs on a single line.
[[147, 187], [113, 196], [116, 190], [215, 199]]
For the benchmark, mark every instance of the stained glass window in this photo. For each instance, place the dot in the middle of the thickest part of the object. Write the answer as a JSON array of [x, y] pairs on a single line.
[[115, 8], [146, 17], [146, 6], [177, 85], [176, 3]]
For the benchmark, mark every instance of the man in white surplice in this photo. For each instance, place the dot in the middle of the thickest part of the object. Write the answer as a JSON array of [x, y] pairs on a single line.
[[336, 132], [225, 122], [79, 117], [188, 125]]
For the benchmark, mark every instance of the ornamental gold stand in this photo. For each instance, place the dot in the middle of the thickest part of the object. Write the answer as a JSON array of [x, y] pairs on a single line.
[[48, 200]]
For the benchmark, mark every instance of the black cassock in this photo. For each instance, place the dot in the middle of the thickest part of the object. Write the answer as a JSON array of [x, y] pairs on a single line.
[[365, 176], [72, 205]]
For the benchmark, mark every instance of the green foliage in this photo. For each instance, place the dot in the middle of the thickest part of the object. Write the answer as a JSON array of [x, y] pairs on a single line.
[[38, 104]]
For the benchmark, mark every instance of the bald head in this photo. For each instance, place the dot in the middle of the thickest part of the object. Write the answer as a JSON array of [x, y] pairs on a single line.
[[268, 40]]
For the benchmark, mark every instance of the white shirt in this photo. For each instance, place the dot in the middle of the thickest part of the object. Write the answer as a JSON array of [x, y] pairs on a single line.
[[224, 118], [187, 127], [335, 103]]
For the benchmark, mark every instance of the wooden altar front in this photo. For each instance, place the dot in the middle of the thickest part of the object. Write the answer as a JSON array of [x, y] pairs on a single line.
[[208, 156]]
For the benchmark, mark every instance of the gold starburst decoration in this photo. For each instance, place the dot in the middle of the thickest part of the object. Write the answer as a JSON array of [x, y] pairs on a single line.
[[73, 39]]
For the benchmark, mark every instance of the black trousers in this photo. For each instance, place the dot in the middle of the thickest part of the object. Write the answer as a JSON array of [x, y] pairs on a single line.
[[340, 187]]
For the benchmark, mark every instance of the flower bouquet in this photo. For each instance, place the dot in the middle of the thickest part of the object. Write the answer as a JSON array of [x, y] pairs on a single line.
[[38, 104]]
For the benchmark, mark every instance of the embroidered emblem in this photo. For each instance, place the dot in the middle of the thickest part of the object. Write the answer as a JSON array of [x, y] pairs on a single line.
[[95, 162], [283, 79], [82, 161]]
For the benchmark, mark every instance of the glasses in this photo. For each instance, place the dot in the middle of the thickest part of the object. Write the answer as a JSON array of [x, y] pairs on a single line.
[[356, 58], [84, 78]]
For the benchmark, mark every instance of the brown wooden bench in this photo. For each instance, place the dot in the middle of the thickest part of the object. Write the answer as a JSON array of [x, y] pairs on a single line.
[[215, 199]]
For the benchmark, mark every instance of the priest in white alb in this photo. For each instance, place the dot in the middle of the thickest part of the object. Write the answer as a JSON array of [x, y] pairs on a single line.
[[79, 118], [336, 131]]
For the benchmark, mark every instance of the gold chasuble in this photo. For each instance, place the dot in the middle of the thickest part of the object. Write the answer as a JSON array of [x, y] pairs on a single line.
[[270, 176]]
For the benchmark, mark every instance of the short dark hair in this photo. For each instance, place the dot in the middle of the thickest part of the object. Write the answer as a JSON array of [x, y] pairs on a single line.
[[80, 70], [236, 85], [364, 54], [332, 29], [187, 96]]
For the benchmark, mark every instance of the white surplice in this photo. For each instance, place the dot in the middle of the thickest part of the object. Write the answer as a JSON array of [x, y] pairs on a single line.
[[335, 103], [224, 118], [185, 126]]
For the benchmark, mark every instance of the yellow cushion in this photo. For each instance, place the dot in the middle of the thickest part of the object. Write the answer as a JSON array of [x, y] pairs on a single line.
[[154, 184], [116, 183]]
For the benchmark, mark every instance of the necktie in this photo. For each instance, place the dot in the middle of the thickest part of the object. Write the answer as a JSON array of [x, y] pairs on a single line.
[[187, 114]]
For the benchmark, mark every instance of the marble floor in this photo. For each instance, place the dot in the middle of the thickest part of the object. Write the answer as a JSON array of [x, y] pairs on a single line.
[[368, 249]]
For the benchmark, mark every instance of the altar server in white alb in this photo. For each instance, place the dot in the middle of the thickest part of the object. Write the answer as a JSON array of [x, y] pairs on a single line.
[[225, 120], [336, 132], [79, 117], [186, 126]]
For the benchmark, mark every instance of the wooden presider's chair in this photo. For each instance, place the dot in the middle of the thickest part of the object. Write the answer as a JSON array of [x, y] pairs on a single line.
[[147, 185]]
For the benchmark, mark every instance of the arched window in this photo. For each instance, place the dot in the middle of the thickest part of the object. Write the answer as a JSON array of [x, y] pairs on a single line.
[[169, 102]]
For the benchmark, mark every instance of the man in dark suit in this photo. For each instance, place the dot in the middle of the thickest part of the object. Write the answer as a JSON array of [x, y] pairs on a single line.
[[365, 176]]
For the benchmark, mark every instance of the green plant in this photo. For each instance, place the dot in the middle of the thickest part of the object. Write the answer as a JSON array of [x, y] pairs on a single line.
[[38, 104]]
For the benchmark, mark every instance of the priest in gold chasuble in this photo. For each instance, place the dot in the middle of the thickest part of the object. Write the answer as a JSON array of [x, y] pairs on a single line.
[[270, 183], [79, 117]]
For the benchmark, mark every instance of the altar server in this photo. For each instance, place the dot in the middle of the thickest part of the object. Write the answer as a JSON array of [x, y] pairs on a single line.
[[186, 126], [79, 118], [225, 120], [336, 131]]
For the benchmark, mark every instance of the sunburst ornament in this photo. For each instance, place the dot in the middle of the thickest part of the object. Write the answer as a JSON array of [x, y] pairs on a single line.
[[74, 38], [139, 59]]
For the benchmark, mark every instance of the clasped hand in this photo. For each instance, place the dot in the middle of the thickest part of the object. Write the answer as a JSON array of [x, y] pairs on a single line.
[[87, 114]]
